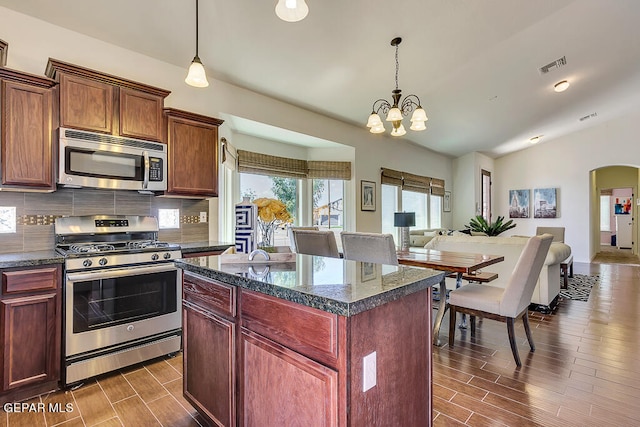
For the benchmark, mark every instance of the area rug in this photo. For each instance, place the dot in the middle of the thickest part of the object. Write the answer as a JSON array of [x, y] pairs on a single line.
[[579, 287]]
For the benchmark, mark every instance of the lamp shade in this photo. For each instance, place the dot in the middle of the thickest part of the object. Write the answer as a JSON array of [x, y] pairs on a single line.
[[292, 10], [404, 219], [196, 76], [398, 131]]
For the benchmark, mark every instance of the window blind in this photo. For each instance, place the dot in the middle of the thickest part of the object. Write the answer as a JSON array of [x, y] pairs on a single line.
[[437, 187], [391, 177], [415, 183], [265, 164]]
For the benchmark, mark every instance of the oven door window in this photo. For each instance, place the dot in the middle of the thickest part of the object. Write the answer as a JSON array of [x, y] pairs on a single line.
[[104, 164], [109, 302]]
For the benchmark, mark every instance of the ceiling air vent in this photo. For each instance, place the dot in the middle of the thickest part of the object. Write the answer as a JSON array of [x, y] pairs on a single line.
[[588, 116], [555, 64]]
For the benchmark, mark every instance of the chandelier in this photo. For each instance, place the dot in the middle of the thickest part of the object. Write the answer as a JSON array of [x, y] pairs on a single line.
[[400, 107]]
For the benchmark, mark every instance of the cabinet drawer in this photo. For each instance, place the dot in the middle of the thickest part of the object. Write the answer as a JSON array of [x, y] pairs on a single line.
[[307, 330], [210, 295], [29, 280]]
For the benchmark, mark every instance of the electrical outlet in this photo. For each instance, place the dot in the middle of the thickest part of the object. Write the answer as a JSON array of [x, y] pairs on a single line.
[[369, 371], [203, 217]]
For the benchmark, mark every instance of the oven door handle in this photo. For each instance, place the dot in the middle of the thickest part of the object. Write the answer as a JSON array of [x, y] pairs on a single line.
[[112, 274]]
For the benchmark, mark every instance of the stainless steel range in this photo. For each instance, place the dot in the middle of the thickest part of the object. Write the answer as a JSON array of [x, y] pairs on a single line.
[[122, 293]]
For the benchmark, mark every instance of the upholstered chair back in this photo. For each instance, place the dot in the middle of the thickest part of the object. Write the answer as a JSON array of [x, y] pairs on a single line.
[[369, 247], [314, 242]]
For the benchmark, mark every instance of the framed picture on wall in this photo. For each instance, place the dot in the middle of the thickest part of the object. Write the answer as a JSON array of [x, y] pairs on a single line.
[[368, 195], [446, 201], [544, 203], [518, 203]]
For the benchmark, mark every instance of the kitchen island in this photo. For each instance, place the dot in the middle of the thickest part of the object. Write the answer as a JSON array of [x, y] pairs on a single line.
[[315, 342]]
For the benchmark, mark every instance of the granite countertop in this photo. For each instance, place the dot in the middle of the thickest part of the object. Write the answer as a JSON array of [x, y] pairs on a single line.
[[334, 285], [205, 246], [30, 259]]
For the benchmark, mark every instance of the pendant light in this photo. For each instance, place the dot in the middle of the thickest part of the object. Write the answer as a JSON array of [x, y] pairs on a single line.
[[292, 10], [399, 108], [196, 76]]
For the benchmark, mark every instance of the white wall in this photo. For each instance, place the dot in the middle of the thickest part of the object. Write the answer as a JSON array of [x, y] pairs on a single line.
[[467, 188], [566, 163], [32, 42]]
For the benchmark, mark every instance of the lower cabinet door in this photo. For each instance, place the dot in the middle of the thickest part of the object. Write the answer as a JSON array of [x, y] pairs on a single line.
[[209, 364], [283, 388], [31, 340]]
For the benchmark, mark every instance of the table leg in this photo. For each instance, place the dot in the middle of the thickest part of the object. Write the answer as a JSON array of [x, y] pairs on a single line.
[[442, 308]]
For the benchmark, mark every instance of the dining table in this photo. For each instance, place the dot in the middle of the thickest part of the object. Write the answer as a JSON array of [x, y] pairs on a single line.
[[463, 264]]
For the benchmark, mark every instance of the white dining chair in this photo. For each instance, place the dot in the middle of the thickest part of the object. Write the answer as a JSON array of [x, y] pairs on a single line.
[[506, 304], [292, 240], [313, 242], [369, 247]]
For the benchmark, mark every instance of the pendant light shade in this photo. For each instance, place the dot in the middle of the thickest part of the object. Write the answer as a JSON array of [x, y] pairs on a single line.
[[196, 76], [292, 10]]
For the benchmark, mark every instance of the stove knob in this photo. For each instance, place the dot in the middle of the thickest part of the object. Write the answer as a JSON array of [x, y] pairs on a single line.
[[103, 261], [166, 255], [155, 257], [87, 263]]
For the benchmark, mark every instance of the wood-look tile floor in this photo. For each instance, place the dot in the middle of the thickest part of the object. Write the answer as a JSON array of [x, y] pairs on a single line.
[[585, 372], [144, 395]]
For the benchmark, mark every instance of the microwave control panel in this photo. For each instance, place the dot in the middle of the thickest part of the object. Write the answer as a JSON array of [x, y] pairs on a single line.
[[155, 169]]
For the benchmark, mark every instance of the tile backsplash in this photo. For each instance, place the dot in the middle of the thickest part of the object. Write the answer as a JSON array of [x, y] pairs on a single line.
[[36, 213]]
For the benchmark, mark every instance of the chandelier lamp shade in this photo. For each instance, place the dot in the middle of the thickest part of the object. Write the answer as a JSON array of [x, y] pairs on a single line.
[[401, 107], [292, 10], [196, 76]]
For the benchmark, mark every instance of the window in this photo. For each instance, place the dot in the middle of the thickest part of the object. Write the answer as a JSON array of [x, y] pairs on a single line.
[[416, 202], [605, 213], [435, 211], [283, 189], [388, 206], [328, 201]]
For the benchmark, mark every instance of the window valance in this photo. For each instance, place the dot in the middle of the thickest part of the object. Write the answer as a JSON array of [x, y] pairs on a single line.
[[412, 182], [265, 164]]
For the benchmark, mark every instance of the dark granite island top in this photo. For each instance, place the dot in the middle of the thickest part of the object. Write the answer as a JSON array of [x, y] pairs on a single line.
[[333, 285]]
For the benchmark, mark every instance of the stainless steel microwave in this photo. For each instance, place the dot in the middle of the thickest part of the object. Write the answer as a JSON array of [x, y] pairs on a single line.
[[88, 159]]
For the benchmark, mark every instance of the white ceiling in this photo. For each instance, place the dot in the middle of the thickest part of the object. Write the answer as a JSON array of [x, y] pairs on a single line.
[[473, 63]]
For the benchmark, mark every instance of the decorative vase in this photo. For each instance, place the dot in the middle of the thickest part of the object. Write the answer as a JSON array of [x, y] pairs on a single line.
[[246, 226]]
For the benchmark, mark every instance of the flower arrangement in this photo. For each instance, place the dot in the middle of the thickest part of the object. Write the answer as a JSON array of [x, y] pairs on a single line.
[[271, 213]]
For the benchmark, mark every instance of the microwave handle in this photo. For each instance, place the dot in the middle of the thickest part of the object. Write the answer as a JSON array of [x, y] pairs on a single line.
[[145, 184]]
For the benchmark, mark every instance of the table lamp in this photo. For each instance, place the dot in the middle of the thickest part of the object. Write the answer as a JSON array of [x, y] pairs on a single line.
[[404, 220]]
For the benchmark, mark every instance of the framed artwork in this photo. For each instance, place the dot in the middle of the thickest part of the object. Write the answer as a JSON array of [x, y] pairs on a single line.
[[368, 271], [519, 203], [544, 203], [446, 201], [368, 196]]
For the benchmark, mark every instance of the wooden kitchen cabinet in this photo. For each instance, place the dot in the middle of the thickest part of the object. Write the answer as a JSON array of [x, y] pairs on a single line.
[[209, 335], [30, 335], [192, 142], [98, 102], [26, 136]]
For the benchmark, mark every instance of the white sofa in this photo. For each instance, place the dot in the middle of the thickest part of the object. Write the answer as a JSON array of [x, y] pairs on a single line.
[[548, 286], [418, 237]]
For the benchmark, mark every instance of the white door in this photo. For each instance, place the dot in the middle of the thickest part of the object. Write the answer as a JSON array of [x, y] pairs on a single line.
[[624, 231]]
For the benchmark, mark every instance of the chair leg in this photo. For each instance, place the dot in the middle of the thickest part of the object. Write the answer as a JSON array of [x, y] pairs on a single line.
[[527, 329], [452, 324], [512, 341]]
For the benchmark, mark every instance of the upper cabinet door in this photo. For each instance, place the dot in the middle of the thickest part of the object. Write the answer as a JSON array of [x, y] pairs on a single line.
[[26, 136], [86, 104], [141, 114], [192, 142]]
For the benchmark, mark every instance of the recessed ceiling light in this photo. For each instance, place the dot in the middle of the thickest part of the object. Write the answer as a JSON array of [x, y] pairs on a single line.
[[561, 86], [535, 139]]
